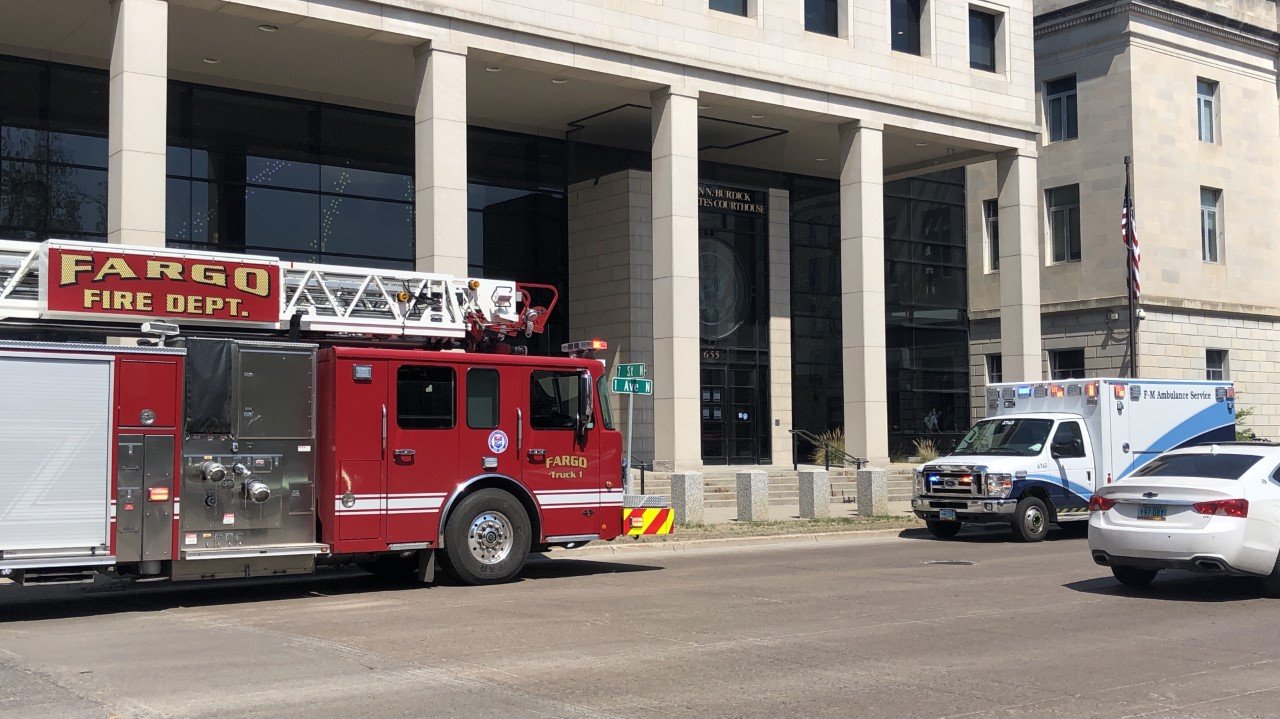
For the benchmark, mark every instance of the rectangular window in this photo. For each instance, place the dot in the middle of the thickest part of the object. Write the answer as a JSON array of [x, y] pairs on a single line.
[[1064, 222], [1207, 109], [1211, 224], [733, 7], [1215, 362], [1066, 364], [1060, 108], [904, 23], [424, 397], [982, 40], [822, 16], [995, 369], [991, 223], [482, 398], [553, 400]]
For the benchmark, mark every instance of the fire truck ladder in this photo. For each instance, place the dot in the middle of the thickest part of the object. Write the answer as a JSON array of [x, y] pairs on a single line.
[[326, 298]]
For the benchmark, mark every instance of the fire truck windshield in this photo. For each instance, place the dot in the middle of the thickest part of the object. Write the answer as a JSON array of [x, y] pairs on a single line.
[[606, 410], [1014, 437]]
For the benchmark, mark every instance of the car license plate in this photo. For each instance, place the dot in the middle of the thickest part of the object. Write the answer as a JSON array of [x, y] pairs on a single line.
[[1153, 512], [947, 514]]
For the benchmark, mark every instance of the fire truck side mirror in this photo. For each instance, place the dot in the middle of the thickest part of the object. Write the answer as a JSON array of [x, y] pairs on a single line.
[[586, 404]]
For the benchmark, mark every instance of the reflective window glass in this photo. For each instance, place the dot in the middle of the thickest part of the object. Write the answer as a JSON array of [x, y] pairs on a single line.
[[356, 227], [482, 398], [281, 219]]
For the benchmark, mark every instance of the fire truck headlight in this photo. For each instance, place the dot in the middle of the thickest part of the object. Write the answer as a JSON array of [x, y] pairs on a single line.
[[213, 472], [999, 485], [255, 490]]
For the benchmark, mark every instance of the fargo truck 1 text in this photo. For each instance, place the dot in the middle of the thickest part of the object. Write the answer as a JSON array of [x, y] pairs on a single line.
[[1046, 446]]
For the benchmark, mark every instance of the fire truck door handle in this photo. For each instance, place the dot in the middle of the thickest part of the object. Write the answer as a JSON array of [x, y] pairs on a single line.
[[404, 452], [519, 429], [384, 429]]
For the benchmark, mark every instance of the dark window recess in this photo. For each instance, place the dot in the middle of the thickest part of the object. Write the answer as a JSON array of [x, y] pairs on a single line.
[[482, 398], [1060, 108], [553, 400], [995, 369], [1215, 365], [1064, 222], [1066, 364], [904, 20], [822, 17], [53, 151], [424, 397], [733, 7], [982, 40]]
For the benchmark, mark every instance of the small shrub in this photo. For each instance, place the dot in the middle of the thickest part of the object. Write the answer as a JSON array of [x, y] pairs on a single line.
[[831, 451], [925, 449], [1244, 433]]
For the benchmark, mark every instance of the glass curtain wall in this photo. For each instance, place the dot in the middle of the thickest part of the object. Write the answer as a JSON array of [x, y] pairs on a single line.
[[53, 151]]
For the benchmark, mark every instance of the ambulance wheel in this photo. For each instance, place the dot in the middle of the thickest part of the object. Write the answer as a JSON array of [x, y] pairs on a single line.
[[942, 530], [1030, 520], [1133, 577], [487, 538]]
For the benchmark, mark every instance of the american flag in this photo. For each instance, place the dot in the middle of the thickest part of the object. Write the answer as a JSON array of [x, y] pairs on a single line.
[[1129, 233]]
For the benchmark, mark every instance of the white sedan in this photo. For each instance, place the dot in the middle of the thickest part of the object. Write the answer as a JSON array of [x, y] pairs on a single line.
[[1213, 509]]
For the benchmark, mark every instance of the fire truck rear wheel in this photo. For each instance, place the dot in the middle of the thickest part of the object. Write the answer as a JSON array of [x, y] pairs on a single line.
[[487, 538]]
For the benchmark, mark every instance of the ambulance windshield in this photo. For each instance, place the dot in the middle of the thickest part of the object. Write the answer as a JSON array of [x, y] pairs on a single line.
[[1012, 437]]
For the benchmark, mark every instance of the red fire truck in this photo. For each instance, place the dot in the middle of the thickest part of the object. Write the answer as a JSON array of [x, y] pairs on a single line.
[[276, 416]]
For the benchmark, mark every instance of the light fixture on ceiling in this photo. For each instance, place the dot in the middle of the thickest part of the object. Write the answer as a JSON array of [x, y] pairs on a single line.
[[819, 159], [558, 80], [211, 61], [493, 68], [922, 144], [757, 116], [268, 28], [704, 107]]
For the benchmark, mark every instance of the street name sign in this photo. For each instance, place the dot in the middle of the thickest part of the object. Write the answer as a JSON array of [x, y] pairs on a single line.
[[622, 385]]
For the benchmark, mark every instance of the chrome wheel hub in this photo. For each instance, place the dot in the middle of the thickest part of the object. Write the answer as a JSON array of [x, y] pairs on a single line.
[[1035, 520], [490, 537]]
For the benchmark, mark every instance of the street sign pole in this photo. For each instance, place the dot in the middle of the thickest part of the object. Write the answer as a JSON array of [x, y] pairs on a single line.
[[629, 483]]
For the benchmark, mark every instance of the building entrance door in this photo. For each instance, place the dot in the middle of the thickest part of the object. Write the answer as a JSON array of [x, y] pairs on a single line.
[[733, 274]]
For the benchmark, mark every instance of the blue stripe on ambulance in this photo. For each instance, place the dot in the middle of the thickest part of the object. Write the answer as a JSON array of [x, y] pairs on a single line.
[[1077, 498], [1206, 425]]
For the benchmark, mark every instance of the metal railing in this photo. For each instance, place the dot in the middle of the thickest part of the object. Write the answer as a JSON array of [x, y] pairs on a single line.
[[825, 445], [633, 463]]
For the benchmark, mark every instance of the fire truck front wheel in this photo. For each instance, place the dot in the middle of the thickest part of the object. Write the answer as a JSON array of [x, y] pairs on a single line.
[[487, 538]]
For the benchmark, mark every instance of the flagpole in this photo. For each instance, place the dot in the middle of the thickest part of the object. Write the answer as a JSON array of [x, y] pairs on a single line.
[[1128, 270]]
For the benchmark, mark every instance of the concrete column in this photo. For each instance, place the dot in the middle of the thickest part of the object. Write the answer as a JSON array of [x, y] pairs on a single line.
[[873, 492], [815, 494], [780, 325], [675, 281], [1019, 203], [687, 497], [866, 393], [753, 496], [440, 160], [137, 134]]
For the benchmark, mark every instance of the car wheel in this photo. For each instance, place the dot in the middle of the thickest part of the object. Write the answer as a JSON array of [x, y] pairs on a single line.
[[942, 530], [1134, 577], [1271, 583], [1030, 520], [487, 538]]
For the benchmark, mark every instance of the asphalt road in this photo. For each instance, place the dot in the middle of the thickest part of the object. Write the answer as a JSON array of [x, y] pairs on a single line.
[[874, 626]]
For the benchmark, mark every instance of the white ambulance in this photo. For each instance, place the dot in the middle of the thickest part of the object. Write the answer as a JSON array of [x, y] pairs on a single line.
[[1046, 446]]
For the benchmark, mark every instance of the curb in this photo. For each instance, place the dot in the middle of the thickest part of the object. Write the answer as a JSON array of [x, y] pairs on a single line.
[[690, 545]]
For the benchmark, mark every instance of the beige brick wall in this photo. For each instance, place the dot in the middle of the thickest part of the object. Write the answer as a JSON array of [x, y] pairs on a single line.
[[1172, 346]]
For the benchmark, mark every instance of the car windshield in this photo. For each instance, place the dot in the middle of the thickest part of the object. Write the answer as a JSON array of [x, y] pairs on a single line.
[[1013, 437], [1211, 466]]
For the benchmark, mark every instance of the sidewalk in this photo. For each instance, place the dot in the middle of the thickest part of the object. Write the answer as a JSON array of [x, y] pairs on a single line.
[[783, 512]]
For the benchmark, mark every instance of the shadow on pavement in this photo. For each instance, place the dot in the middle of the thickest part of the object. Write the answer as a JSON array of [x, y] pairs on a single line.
[[991, 534], [20, 604], [1177, 586]]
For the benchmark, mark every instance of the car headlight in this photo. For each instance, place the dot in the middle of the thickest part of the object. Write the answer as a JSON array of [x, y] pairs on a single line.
[[999, 485]]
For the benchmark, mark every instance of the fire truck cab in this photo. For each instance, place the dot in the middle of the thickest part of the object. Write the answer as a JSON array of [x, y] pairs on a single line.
[[359, 421]]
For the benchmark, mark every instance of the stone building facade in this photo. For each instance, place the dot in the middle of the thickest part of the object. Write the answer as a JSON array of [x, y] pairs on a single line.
[[1188, 90], [563, 142]]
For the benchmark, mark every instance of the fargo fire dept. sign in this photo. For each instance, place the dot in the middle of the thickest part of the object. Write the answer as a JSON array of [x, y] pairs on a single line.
[[87, 280]]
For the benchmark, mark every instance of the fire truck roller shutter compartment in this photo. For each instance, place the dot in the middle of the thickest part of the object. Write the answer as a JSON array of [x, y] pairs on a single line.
[[248, 480], [55, 445]]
